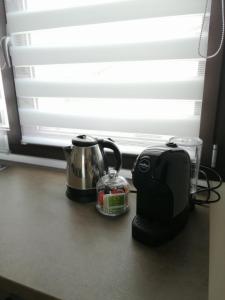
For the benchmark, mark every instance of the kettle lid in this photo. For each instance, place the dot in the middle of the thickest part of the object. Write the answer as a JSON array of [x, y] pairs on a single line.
[[84, 141]]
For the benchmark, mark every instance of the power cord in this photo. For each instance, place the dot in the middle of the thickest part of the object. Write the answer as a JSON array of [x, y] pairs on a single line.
[[208, 188], [222, 34]]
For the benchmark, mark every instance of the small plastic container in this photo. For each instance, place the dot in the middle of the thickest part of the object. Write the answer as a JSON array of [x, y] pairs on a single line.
[[112, 194], [194, 148]]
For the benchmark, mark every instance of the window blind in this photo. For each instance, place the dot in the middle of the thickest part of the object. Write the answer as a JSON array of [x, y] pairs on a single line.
[[125, 69]]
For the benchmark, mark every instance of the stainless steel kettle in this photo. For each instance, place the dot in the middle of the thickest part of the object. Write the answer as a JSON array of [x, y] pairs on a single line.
[[86, 163]]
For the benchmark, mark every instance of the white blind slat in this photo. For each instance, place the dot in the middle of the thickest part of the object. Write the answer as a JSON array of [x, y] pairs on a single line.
[[101, 13], [121, 108], [186, 89], [116, 72], [175, 49], [114, 33], [177, 126], [126, 140]]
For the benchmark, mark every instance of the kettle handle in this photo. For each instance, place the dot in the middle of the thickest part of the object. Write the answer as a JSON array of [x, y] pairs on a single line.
[[110, 145]]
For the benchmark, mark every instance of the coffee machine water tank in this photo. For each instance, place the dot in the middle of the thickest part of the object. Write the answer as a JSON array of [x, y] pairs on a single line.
[[161, 176]]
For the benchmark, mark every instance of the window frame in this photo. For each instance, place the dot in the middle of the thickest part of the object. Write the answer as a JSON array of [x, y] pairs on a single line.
[[209, 107], [212, 86]]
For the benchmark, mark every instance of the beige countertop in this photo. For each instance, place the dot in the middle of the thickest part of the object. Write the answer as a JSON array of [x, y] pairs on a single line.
[[69, 251]]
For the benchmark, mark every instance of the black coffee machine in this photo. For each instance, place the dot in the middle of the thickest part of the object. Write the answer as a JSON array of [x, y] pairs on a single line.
[[161, 176]]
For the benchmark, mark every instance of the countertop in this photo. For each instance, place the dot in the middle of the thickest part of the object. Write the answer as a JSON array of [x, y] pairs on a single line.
[[69, 251]]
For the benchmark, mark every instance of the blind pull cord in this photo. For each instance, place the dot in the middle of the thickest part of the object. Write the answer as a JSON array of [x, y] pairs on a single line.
[[5, 43], [201, 34]]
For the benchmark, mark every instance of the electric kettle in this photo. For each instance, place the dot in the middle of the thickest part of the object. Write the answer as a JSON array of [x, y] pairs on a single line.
[[86, 163]]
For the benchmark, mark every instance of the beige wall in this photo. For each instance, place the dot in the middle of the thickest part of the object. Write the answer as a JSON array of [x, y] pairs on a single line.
[[217, 249]]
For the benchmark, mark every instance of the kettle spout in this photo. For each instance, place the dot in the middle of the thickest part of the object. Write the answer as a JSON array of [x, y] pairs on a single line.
[[67, 151]]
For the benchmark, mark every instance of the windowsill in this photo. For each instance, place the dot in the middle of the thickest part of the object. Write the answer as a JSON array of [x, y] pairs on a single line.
[[11, 159]]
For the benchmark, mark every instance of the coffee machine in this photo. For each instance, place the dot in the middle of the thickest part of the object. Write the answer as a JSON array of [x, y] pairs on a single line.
[[161, 176]]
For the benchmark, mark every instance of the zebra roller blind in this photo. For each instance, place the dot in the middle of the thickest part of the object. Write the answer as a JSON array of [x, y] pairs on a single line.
[[125, 69]]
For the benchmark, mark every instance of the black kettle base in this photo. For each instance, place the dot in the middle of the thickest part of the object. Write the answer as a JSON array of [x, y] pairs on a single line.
[[156, 233], [82, 196]]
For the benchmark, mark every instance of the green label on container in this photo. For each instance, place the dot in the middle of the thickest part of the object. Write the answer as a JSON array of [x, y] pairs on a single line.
[[114, 203]]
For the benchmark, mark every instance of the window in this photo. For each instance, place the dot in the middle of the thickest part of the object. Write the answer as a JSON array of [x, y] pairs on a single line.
[[126, 69]]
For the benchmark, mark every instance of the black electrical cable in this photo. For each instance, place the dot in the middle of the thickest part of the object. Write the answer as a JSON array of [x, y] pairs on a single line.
[[216, 174], [208, 188], [201, 189]]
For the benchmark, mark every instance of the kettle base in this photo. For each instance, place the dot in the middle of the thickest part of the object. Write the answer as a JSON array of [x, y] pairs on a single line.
[[157, 233], [82, 196]]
